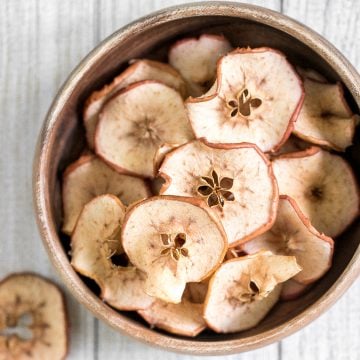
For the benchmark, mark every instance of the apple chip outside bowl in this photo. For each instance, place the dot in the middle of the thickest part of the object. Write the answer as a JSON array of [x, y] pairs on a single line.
[[62, 140]]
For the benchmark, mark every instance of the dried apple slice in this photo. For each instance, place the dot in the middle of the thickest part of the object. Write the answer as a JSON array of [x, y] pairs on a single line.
[[139, 70], [33, 323], [230, 179], [323, 185], [243, 290], [89, 177], [257, 100], [292, 290], [185, 318], [174, 240], [95, 240], [325, 117], [136, 121], [293, 234], [196, 60], [182, 319]]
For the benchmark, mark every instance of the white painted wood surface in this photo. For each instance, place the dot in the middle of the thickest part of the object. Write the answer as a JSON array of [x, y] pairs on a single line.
[[40, 43]]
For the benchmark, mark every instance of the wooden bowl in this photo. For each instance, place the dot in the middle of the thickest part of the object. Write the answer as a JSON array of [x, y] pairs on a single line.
[[62, 139]]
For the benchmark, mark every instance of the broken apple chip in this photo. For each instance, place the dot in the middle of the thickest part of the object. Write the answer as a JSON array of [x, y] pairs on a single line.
[[196, 60], [325, 118], [292, 290], [94, 243], [243, 290], [323, 186], [89, 177], [139, 70], [230, 180], [182, 319], [174, 240], [136, 121], [33, 322], [257, 100], [293, 234]]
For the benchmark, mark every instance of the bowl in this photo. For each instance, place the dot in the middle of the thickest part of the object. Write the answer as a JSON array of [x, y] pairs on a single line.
[[62, 139]]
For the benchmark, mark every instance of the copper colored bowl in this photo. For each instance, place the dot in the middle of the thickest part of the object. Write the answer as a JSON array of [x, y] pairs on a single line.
[[62, 139]]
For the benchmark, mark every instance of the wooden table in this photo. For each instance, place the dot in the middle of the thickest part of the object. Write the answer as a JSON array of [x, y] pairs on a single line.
[[40, 43]]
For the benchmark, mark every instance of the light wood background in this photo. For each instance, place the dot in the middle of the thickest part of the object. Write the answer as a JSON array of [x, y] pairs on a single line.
[[40, 43]]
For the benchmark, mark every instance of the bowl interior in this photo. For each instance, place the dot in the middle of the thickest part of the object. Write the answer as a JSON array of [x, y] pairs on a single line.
[[154, 43]]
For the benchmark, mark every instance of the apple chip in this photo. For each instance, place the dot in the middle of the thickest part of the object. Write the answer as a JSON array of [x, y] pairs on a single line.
[[174, 240], [293, 234], [95, 241], [292, 290], [89, 177], [323, 186], [139, 70], [136, 121], [243, 290], [257, 100], [196, 60], [230, 179], [325, 118], [182, 319], [33, 322]]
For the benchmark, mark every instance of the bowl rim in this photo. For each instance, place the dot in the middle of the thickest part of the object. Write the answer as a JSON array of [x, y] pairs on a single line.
[[41, 196]]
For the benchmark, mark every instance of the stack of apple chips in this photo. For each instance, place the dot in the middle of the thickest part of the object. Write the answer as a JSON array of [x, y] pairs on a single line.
[[208, 190]]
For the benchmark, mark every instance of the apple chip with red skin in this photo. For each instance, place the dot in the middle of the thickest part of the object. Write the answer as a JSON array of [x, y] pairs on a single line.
[[196, 60], [230, 179], [174, 240], [185, 318], [33, 320], [95, 240], [182, 319], [325, 118], [293, 234], [323, 186], [89, 177], [243, 290], [257, 100], [136, 121], [139, 70]]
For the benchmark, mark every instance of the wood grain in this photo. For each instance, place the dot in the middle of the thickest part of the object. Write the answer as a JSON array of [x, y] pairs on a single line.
[[40, 43]]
